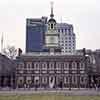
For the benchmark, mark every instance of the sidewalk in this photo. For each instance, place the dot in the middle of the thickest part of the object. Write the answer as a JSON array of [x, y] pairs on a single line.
[[87, 92]]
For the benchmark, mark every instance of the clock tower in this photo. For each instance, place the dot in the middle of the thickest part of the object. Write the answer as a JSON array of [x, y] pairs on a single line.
[[51, 36]]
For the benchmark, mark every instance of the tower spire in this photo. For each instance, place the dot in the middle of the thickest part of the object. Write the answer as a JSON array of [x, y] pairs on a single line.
[[52, 15]]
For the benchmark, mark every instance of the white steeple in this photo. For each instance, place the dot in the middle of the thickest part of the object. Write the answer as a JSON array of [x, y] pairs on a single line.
[[51, 36], [51, 15]]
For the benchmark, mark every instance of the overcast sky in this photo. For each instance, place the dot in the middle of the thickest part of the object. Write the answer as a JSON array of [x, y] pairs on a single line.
[[83, 14]]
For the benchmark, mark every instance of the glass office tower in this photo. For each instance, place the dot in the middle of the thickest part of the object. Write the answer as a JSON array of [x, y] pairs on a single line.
[[35, 30]]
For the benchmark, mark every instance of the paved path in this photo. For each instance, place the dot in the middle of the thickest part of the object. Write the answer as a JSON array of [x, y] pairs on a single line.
[[61, 92]]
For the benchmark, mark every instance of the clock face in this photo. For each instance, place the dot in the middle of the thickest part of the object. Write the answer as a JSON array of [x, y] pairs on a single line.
[[52, 39]]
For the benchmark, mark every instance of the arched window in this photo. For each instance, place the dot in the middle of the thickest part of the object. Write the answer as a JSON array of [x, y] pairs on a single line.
[[51, 65], [36, 65], [51, 26], [44, 65], [66, 66], [29, 65], [58, 65], [74, 66]]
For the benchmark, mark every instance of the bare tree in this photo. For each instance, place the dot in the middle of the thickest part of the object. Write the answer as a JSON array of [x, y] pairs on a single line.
[[10, 51]]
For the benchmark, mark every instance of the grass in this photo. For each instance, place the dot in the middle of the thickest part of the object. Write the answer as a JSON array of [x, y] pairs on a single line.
[[47, 97]]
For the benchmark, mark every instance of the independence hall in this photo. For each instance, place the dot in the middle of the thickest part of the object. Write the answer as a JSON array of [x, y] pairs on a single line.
[[51, 69]]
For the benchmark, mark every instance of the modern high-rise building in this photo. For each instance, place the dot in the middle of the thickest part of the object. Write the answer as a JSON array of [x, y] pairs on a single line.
[[66, 37], [35, 29]]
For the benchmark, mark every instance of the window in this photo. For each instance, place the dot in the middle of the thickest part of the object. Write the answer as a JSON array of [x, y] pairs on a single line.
[[29, 65], [62, 30], [74, 66], [73, 79], [20, 80], [36, 65], [66, 66], [58, 66], [66, 50], [65, 47], [51, 66], [66, 79], [44, 66], [66, 41], [69, 31], [65, 30], [78, 64], [59, 30], [51, 26], [36, 80], [69, 38], [66, 44], [28, 80]]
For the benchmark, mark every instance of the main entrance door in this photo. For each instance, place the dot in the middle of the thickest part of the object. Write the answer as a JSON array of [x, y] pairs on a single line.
[[52, 82]]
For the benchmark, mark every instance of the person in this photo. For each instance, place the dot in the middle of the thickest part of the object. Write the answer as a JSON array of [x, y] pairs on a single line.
[[24, 86], [95, 85]]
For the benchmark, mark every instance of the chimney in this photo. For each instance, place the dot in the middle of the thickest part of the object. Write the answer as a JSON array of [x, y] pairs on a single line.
[[84, 51], [19, 51]]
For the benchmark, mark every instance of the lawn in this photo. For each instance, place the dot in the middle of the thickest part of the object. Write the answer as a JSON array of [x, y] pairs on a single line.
[[47, 97]]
